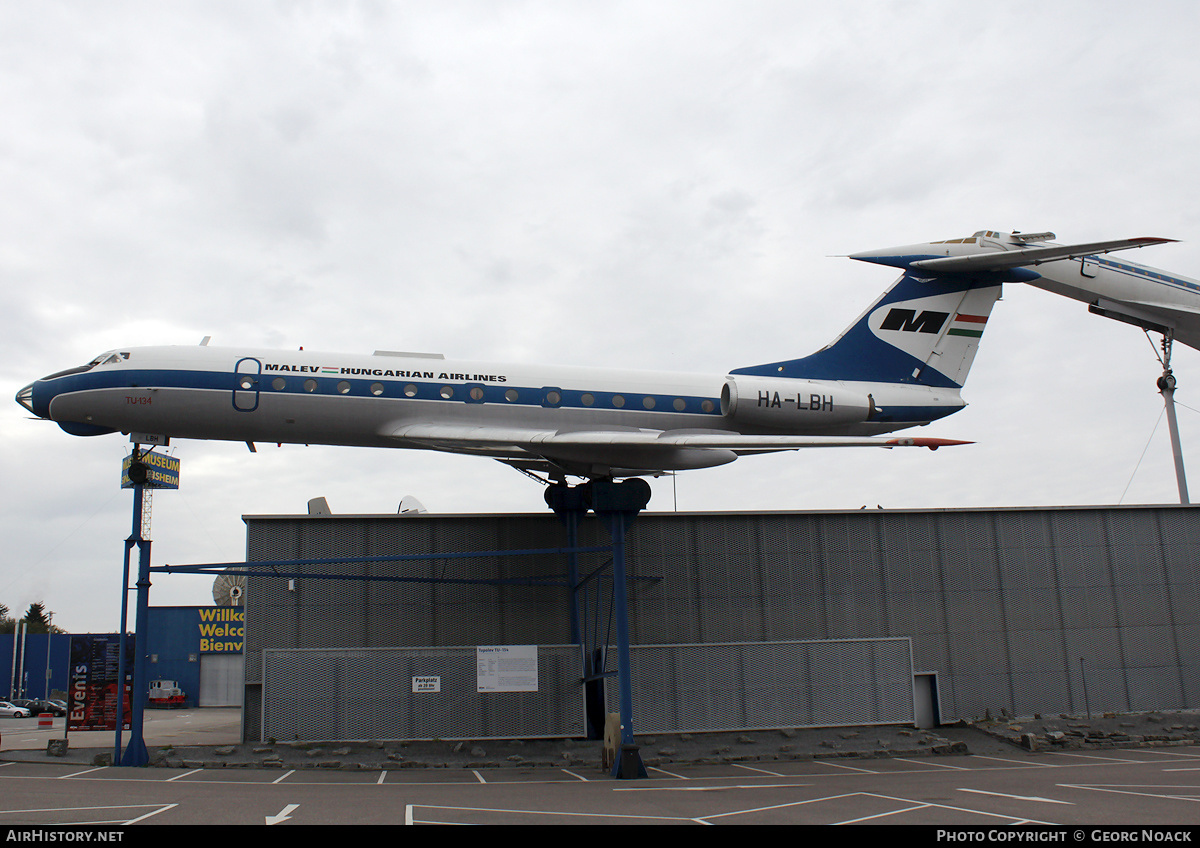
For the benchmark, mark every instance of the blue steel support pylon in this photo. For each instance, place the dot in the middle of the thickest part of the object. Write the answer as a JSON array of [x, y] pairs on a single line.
[[617, 505], [135, 752], [121, 670]]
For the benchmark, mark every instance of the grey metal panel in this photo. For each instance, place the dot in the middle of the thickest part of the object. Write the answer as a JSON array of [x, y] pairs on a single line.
[[1149, 687], [221, 677]]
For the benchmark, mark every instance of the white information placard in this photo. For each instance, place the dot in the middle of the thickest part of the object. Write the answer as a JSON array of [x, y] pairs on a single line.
[[506, 668], [426, 684]]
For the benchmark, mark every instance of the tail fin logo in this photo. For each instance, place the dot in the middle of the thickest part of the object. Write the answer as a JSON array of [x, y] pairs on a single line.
[[908, 321], [920, 331], [941, 332]]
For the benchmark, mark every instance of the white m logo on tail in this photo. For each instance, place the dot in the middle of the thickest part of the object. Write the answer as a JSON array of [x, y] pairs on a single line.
[[941, 331]]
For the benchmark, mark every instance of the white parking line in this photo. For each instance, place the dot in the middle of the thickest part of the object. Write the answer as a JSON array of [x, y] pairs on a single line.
[[760, 771], [929, 763], [1013, 762], [1017, 797], [848, 768], [162, 809], [185, 774], [158, 808], [1089, 756]]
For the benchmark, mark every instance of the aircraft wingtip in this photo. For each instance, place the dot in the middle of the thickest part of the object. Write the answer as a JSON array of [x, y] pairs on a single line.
[[932, 444]]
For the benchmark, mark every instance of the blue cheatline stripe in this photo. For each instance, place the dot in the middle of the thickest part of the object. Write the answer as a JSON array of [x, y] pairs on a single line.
[[392, 389], [426, 391], [1143, 274]]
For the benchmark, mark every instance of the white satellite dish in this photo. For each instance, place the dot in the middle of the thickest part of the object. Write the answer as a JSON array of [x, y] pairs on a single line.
[[229, 590], [410, 504]]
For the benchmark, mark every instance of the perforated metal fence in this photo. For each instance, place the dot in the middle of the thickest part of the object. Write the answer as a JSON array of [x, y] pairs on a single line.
[[753, 686], [368, 694]]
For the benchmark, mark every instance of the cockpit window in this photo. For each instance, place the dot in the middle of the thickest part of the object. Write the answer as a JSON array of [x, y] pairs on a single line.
[[106, 358]]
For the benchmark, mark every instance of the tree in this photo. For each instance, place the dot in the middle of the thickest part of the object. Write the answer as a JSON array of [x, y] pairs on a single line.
[[36, 618]]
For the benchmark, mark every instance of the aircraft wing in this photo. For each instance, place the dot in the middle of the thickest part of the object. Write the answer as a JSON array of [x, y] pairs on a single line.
[[507, 440], [1003, 259]]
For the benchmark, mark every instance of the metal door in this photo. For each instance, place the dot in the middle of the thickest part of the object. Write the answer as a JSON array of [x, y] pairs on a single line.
[[247, 373]]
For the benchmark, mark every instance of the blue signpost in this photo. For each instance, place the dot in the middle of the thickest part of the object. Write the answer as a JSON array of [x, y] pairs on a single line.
[[141, 471]]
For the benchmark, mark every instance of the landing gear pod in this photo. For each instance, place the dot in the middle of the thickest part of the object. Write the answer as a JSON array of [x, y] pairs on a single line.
[[785, 404]]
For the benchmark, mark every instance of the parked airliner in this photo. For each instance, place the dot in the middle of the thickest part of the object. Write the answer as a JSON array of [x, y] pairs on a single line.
[[902, 364]]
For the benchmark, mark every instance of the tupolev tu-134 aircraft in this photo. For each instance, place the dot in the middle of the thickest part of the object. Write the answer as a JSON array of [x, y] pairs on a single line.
[[902, 364]]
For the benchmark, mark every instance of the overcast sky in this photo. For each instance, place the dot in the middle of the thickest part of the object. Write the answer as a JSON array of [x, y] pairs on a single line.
[[660, 185]]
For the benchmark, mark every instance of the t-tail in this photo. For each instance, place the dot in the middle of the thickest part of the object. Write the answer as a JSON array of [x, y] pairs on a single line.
[[923, 331]]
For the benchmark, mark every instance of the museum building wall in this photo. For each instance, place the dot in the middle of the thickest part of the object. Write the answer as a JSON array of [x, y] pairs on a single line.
[[1018, 610]]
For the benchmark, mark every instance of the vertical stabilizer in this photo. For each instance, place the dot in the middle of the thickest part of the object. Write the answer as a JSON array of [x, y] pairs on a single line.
[[923, 331]]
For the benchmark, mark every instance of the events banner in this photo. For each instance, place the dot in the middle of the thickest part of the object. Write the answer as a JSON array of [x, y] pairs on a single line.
[[93, 698]]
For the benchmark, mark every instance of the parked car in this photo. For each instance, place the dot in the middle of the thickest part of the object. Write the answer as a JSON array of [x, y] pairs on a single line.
[[13, 711], [39, 705]]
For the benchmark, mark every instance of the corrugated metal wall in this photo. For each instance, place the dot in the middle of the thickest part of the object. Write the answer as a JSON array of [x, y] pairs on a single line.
[[1011, 608]]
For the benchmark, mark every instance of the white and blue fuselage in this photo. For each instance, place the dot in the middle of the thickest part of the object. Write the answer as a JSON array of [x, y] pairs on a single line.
[[901, 364], [583, 420]]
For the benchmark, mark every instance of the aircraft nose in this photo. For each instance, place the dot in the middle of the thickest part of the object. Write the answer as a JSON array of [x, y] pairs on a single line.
[[897, 257], [25, 398]]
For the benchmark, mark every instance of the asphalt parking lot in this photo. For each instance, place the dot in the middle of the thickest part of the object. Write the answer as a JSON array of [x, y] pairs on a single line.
[[1084, 791]]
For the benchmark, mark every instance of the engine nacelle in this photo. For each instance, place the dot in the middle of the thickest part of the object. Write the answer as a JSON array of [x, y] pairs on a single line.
[[786, 404]]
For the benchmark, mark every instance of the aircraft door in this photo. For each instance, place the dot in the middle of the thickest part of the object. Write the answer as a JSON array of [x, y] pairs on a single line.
[[246, 374]]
